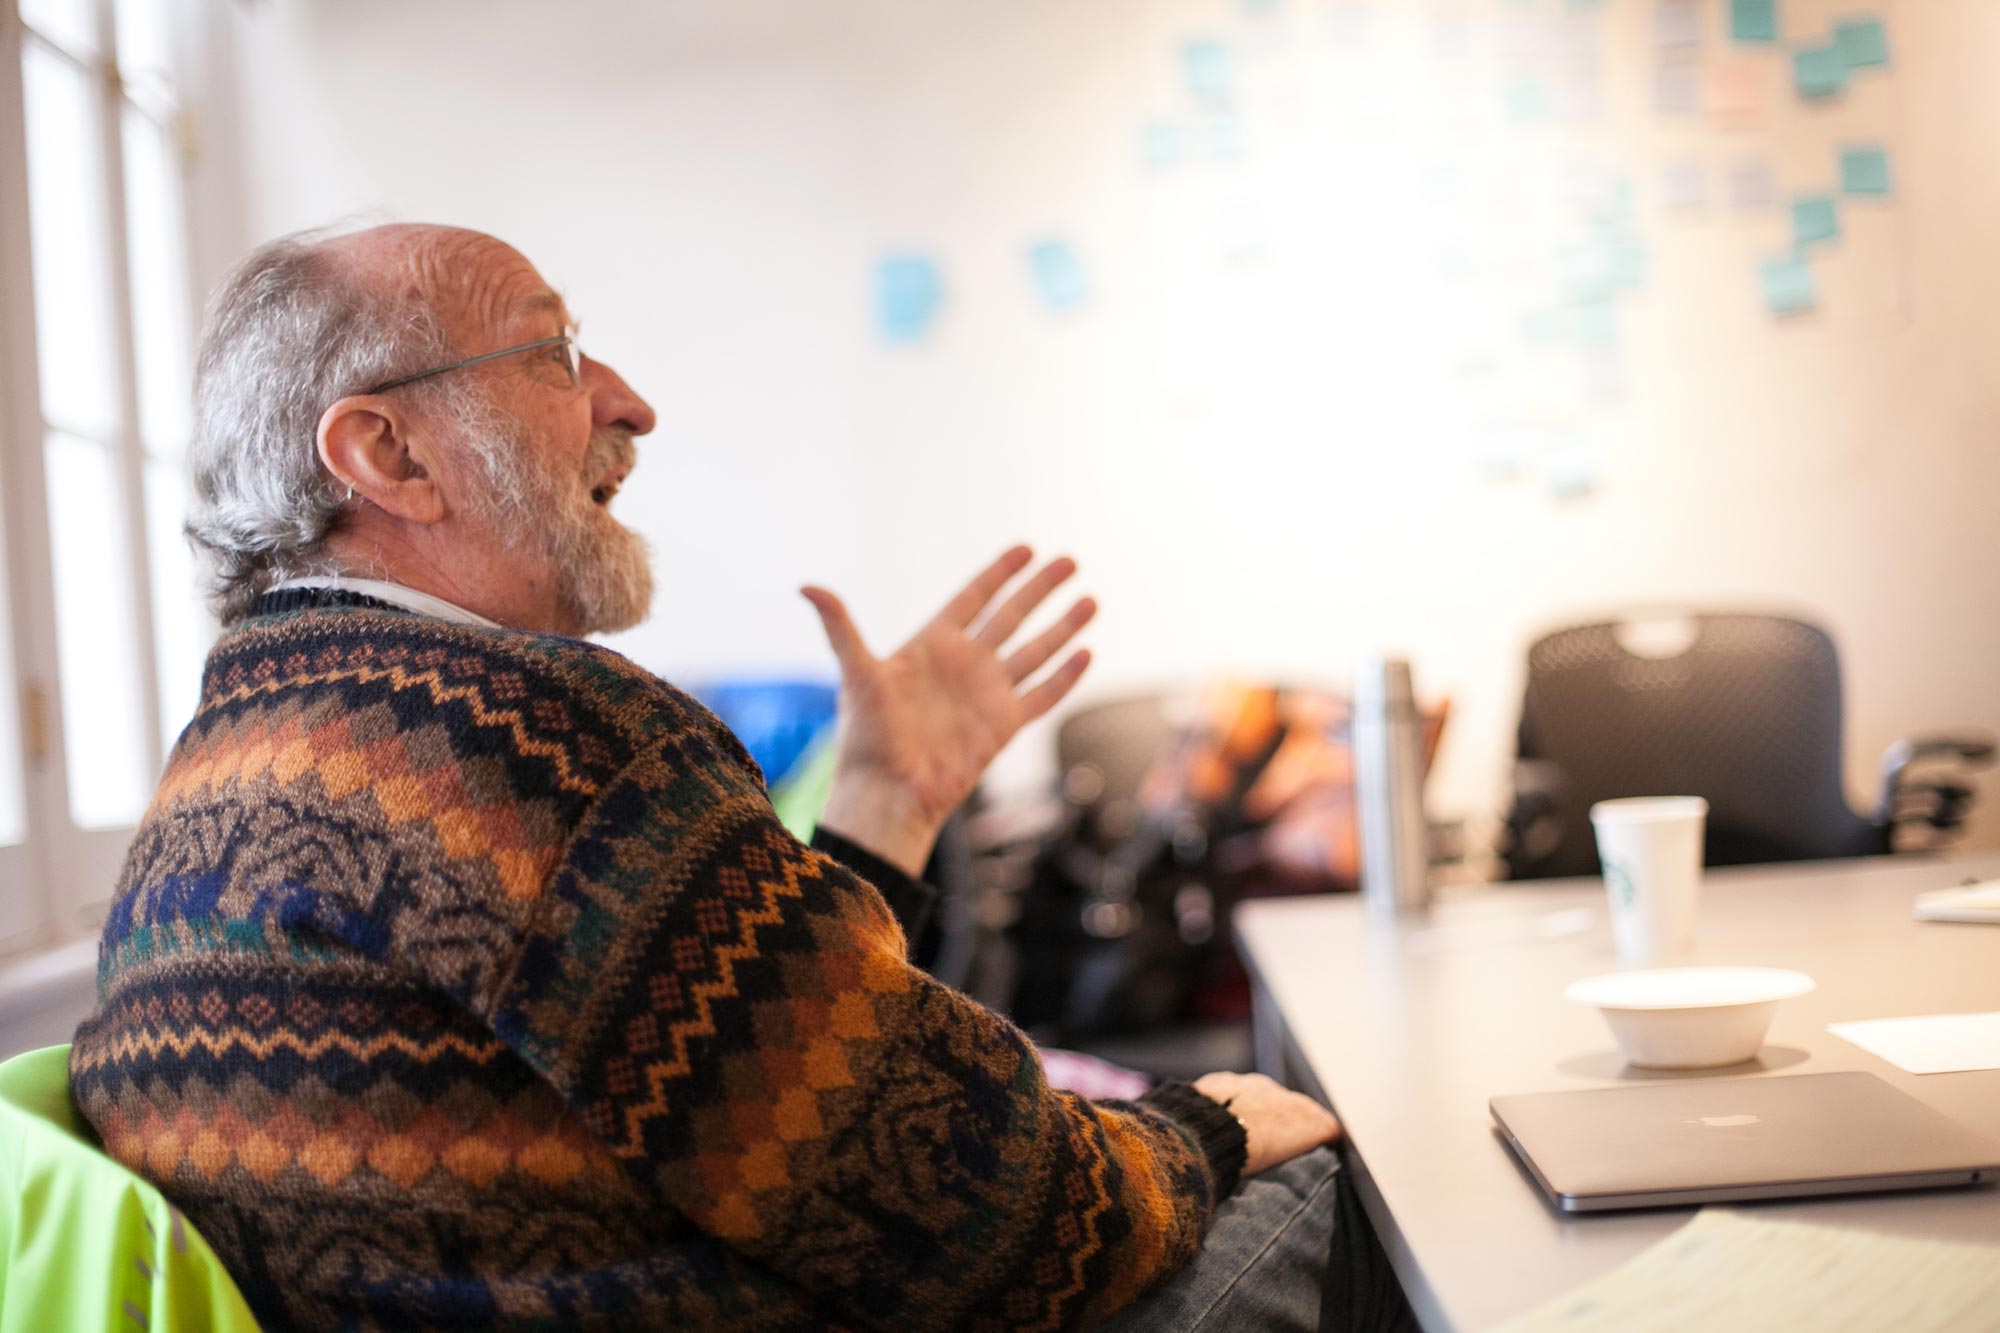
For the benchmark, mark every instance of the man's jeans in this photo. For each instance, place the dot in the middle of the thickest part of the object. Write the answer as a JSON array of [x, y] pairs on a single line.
[[1290, 1251]]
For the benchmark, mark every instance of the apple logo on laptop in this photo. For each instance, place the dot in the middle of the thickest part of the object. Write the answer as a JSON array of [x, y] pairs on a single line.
[[1726, 1121]]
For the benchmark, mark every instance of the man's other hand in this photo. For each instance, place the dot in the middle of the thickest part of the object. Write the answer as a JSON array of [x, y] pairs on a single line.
[[918, 727], [1278, 1123]]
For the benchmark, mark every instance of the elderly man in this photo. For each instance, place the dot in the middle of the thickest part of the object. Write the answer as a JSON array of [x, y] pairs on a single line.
[[460, 974]]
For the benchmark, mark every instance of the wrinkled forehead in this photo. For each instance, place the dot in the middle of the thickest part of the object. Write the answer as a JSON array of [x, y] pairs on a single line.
[[483, 290]]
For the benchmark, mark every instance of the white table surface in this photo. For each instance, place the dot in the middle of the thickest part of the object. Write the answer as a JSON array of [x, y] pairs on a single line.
[[1407, 1030]]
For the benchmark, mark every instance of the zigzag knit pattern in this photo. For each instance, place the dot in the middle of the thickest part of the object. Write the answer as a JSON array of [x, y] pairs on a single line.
[[463, 978]]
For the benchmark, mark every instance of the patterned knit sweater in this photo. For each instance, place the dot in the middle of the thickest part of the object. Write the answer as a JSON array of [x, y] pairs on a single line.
[[464, 978]]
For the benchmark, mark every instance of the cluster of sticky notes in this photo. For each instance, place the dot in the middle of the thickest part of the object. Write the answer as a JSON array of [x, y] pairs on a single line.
[[908, 292], [1821, 69], [1213, 133]]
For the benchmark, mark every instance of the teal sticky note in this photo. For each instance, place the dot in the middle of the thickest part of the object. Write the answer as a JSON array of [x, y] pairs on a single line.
[[1815, 218], [1864, 169], [1628, 264], [1160, 145], [908, 291], [1789, 287], [1862, 41], [1225, 139], [1820, 71], [1596, 323], [1205, 66], [1753, 20], [1057, 273]]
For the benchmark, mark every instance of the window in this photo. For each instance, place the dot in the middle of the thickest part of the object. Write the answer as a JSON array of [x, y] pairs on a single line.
[[101, 629]]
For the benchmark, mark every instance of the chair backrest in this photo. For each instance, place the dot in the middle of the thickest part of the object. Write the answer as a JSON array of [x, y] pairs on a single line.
[[1747, 715], [85, 1243]]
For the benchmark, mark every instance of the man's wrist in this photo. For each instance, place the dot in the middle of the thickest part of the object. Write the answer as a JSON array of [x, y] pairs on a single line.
[[880, 817]]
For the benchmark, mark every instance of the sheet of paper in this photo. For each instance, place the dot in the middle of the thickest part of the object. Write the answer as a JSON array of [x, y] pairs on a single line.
[[1735, 94], [1677, 89], [1753, 20], [1934, 1044], [1820, 71], [1057, 273], [1684, 187], [1676, 23], [908, 292], [1815, 218], [1753, 187], [1729, 1272], [1862, 41], [1864, 169], [1789, 287]]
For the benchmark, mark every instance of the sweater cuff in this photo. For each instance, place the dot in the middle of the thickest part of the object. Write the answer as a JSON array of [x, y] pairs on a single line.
[[909, 899], [1219, 1133]]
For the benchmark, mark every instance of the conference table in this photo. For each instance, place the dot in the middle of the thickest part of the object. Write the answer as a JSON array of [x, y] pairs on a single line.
[[1405, 1029]]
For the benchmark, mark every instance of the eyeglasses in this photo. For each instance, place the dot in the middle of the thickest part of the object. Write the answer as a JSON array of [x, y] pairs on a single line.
[[566, 340]]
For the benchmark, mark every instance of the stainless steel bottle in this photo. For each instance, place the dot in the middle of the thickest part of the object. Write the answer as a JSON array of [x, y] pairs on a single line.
[[1389, 790]]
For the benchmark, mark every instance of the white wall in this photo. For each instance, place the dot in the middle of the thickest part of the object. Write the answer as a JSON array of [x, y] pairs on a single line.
[[1248, 434]]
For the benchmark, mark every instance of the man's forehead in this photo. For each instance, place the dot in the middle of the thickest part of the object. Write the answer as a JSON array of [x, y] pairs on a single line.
[[477, 282]]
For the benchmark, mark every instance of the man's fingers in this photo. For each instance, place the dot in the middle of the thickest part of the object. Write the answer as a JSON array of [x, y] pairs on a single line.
[[1000, 626], [963, 609], [848, 648], [1051, 691], [1028, 658]]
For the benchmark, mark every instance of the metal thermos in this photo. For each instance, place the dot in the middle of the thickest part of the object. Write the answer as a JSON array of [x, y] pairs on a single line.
[[1389, 790]]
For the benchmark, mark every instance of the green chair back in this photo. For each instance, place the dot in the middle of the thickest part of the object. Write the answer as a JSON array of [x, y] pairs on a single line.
[[84, 1243]]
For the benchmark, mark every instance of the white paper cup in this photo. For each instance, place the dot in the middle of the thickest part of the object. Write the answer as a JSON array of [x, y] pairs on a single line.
[[1651, 850]]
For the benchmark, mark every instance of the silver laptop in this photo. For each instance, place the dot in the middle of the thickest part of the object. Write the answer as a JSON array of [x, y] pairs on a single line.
[[1731, 1139]]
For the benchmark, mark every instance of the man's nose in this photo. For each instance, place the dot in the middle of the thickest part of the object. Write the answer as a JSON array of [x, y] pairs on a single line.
[[613, 402]]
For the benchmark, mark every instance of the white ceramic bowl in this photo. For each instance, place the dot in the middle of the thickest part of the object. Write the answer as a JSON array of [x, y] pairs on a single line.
[[1690, 1017]]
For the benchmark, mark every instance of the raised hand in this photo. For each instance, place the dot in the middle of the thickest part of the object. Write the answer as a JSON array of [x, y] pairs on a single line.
[[918, 727]]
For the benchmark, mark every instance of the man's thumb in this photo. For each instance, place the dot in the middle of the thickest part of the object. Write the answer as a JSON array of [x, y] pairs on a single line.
[[839, 626]]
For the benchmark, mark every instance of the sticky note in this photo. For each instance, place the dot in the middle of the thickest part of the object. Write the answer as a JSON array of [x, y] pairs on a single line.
[[908, 292], [1684, 187], [1753, 187], [1819, 71], [1057, 274], [1677, 90], [1735, 93], [1596, 323], [1260, 6], [1205, 66], [1676, 23], [1788, 286], [1864, 169], [1628, 264], [1815, 218], [1753, 20], [1862, 42], [1160, 145]]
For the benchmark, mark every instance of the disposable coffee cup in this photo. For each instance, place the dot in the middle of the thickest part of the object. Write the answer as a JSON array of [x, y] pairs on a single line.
[[1651, 850]]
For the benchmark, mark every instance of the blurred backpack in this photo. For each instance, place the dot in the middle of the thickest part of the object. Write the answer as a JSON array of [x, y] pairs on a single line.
[[1124, 924]]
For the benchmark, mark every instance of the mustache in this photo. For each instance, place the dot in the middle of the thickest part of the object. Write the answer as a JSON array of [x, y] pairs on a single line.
[[610, 449]]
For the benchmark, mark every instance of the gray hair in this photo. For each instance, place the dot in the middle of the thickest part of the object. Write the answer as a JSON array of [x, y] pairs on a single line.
[[292, 330]]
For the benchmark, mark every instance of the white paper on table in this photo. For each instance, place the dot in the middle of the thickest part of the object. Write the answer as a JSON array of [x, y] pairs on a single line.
[[1727, 1272], [1932, 1044]]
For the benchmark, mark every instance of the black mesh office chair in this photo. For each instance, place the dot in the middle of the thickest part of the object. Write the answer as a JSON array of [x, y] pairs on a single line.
[[1746, 712]]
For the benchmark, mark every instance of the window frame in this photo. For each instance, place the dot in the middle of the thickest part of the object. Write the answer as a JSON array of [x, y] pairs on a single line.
[[57, 883]]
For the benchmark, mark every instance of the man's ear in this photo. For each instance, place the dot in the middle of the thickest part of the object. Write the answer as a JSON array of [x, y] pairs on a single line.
[[363, 442]]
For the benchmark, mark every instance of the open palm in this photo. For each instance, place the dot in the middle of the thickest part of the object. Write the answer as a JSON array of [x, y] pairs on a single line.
[[918, 727]]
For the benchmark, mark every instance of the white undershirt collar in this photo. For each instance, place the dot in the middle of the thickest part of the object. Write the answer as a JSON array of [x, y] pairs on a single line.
[[409, 599]]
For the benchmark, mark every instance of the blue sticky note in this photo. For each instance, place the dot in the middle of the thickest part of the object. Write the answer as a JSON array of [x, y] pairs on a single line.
[[1628, 264], [1820, 71], [1058, 276], [1864, 169], [1225, 139], [908, 292], [1788, 285], [1205, 65], [1815, 218], [1753, 20], [1596, 323], [1862, 42], [1160, 145]]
